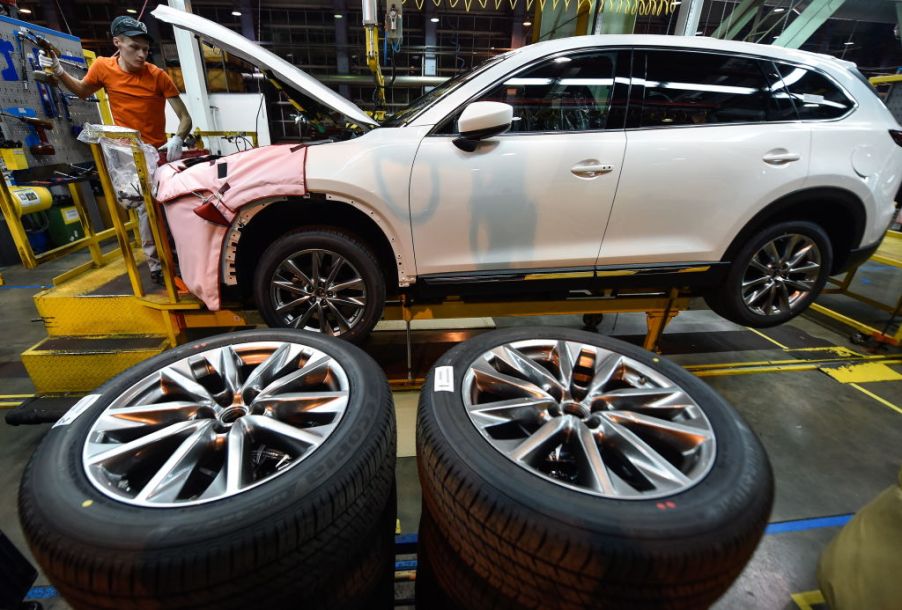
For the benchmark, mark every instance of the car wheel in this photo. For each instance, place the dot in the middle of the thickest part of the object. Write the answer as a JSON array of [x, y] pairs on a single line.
[[775, 276], [576, 471], [254, 469], [320, 280]]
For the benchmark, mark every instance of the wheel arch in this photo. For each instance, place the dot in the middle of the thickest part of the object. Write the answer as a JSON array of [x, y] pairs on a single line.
[[840, 212], [260, 223]]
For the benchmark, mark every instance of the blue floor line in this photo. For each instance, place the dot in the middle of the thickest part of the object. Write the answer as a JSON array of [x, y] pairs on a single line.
[[13, 286], [807, 524]]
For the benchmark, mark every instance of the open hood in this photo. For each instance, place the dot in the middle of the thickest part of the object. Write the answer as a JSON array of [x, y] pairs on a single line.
[[238, 45]]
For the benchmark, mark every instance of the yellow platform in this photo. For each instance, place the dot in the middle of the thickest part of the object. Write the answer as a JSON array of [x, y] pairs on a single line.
[[59, 365]]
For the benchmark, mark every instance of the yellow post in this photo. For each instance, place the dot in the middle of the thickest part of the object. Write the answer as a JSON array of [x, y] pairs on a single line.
[[121, 235], [105, 114], [15, 226], [93, 245], [163, 250]]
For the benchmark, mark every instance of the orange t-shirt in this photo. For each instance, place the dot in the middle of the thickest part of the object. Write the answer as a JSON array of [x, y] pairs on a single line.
[[138, 101]]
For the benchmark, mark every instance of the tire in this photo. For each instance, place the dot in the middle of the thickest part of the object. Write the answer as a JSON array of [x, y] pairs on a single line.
[[728, 299], [542, 530], [349, 313], [305, 522]]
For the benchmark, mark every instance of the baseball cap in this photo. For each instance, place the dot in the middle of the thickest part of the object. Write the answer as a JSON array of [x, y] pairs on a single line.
[[128, 26]]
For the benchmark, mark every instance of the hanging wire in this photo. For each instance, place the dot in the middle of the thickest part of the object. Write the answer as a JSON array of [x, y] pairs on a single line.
[[140, 13], [849, 41], [63, 15]]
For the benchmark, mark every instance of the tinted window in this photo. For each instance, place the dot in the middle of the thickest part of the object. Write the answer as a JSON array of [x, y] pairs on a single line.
[[564, 94], [814, 95], [683, 88]]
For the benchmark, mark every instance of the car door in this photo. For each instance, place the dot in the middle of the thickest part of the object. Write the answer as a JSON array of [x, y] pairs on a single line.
[[538, 196], [711, 139]]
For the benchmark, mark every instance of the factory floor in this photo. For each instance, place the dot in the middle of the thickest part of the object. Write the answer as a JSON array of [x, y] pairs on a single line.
[[833, 446]]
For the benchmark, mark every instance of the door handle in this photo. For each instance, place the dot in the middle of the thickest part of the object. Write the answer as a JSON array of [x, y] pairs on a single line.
[[781, 158], [591, 170]]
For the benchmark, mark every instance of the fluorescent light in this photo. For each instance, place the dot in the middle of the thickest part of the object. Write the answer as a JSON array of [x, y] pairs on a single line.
[[25, 11], [236, 13], [848, 43], [434, 20], [699, 33], [527, 23], [131, 10], [339, 16], [779, 9]]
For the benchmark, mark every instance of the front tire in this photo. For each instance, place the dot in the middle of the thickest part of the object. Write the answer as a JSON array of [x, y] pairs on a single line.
[[320, 280], [775, 276]]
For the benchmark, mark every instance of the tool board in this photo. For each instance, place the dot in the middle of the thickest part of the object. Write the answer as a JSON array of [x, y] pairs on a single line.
[[21, 93]]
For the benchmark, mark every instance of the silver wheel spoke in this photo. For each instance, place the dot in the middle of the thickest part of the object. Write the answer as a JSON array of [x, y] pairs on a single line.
[[599, 477], [803, 285], [806, 268], [771, 250], [343, 323], [649, 462], [541, 441], [791, 243], [350, 302], [492, 413], [290, 286], [627, 432], [756, 296], [756, 264], [172, 476], [355, 283], [301, 321], [755, 282], [337, 264], [296, 271], [315, 261], [782, 298], [801, 254], [293, 304], [216, 423]]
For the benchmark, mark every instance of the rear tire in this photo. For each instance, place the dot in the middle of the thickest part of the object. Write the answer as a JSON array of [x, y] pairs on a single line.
[[749, 306]]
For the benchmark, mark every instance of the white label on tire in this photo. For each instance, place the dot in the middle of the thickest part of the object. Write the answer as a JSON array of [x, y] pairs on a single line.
[[444, 379], [77, 409]]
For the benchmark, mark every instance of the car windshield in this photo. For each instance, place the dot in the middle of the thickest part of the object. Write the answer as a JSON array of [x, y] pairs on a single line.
[[407, 113]]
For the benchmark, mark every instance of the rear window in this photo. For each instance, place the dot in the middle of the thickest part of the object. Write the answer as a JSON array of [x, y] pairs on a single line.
[[816, 97]]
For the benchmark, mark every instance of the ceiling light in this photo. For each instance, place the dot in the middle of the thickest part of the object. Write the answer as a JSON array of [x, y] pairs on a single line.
[[434, 20], [527, 23], [848, 43], [779, 10], [236, 13], [339, 16], [131, 10], [25, 11]]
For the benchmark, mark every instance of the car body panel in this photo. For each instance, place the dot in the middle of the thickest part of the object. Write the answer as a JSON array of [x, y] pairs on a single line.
[[514, 202], [679, 187], [238, 45]]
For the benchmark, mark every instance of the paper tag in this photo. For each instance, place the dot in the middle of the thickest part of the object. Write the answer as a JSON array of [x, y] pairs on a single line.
[[444, 379], [77, 409], [70, 215]]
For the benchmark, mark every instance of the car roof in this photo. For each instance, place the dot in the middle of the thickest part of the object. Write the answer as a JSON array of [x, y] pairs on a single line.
[[699, 43]]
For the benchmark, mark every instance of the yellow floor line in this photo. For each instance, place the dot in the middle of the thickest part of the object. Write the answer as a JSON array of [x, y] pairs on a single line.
[[762, 335], [877, 398], [4, 405], [807, 599], [4, 396]]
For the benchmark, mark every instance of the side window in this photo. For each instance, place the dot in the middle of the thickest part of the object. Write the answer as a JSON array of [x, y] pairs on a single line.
[[685, 88], [815, 96], [564, 94]]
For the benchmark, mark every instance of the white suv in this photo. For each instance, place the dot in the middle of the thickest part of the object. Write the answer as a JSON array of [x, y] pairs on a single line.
[[747, 172]]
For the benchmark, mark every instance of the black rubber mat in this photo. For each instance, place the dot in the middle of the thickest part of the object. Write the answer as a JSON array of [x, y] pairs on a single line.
[[111, 344], [40, 410], [694, 343]]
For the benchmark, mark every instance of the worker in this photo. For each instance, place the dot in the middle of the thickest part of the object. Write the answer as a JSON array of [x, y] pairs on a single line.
[[137, 91]]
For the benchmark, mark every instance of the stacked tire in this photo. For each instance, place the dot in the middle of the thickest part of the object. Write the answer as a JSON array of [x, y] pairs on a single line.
[[564, 470], [254, 469]]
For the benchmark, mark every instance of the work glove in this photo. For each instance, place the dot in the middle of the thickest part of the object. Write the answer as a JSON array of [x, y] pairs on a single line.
[[173, 148], [50, 61]]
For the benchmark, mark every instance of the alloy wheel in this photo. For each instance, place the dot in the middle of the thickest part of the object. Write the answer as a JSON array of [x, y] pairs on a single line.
[[215, 424], [318, 290], [781, 275], [589, 419]]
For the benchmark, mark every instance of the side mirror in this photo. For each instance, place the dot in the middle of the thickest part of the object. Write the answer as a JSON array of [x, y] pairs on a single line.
[[481, 120]]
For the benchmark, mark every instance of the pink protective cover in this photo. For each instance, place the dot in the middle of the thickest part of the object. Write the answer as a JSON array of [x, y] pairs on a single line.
[[228, 183]]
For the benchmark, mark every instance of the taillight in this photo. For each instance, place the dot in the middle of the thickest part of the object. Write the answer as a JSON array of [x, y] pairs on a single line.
[[896, 135]]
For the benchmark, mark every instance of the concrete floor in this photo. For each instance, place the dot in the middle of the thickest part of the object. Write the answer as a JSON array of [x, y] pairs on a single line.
[[832, 446]]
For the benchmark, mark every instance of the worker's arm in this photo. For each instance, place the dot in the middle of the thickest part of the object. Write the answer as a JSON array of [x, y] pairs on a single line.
[[181, 112], [76, 86]]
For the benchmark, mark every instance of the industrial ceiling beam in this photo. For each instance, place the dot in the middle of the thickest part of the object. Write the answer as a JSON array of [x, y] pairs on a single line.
[[730, 27], [807, 23], [688, 17]]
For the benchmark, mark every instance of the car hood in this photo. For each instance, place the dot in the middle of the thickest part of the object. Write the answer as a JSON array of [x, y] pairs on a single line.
[[238, 45]]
